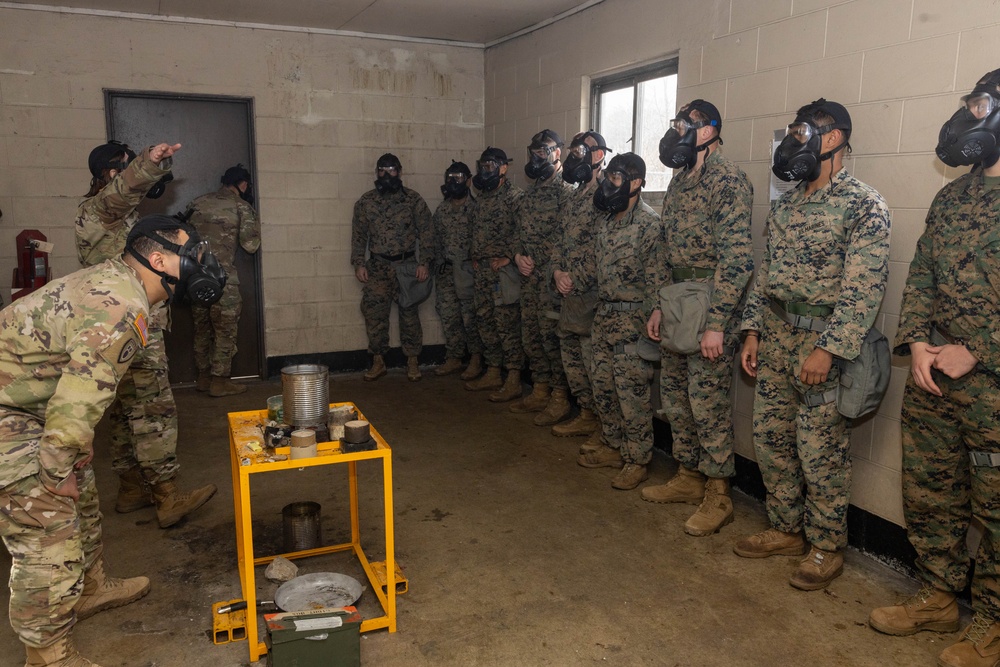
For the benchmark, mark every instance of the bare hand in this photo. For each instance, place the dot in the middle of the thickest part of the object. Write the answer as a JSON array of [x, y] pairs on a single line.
[[816, 368], [563, 282], [160, 152], [955, 361], [498, 263], [524, 264], [67, 488], [653, 325], [422, 273], [361, 273], [85, 461], [748, 355], [923, 357], [711, 344]]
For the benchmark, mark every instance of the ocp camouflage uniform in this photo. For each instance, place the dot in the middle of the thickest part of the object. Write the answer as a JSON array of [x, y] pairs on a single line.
[[706, 227], [954, 287], [494, 234], [828, 249], [144, 415], [623, 251], [225, 220], [390, 227], [452, 223], [63, 350]]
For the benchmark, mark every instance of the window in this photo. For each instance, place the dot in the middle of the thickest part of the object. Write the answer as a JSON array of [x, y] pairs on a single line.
[[632, 110]]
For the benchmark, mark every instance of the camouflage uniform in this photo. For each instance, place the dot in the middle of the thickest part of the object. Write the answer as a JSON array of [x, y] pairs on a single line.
[[223, 219], [390, 227], [452, 225], [624, 250], [144, 415], [63, 350], [494, 233], [830, 248], [538, 227], [954, 287], [706, 225]]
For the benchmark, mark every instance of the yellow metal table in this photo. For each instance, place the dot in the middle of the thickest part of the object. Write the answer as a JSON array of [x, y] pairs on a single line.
[[250, 458]]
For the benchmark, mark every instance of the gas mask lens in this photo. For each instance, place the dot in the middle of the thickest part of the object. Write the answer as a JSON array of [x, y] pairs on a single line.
[[390, 171], [980, 105], [458, 178], [486, 167], [801, 132], [579, 151]]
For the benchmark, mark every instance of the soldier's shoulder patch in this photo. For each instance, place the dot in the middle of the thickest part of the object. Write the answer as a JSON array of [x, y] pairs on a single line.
[[128, 350], [141, 327], [121, 349]]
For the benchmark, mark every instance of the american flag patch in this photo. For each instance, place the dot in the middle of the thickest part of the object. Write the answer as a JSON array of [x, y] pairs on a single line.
[[141, 328]]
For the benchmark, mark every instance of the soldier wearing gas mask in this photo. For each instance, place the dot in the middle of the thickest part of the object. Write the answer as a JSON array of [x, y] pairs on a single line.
[[626, 241], [951, 406], [815, 297], [143, 415]]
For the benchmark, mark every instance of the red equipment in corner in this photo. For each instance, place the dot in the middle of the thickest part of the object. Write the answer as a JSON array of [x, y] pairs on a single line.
[[32, 263]]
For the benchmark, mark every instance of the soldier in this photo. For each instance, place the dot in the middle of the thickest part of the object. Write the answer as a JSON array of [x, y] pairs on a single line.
[[224, 218], [706, 238], [390, 223], [144, 415], [542, 207], [625, 243], [498, 315], [951, 406], [63, 351], [452, 242], [574, 272], [815, 298]]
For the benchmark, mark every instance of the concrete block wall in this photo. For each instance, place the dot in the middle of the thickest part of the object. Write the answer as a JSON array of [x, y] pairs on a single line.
[[899, 66], [326, 107]]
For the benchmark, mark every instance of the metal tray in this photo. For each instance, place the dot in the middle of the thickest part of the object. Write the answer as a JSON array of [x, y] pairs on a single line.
[[317, 591]]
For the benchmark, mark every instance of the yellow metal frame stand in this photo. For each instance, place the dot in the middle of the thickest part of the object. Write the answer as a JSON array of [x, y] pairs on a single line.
[[249, 458]]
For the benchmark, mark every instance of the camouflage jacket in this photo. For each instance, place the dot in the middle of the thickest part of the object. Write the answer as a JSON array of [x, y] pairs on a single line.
[[539, 219], [954, 280], [391, 224], [452, 223], [224, 219], [830, 248], [573, 252], [624, 251], [494, 222], [63, 350], [706, 225]]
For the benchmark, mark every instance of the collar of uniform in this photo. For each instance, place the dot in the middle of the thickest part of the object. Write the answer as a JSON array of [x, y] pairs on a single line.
[[554, 179], [497, 191], [824, 192], [226, 192], [977, 182], [688, 179], [122, 266]]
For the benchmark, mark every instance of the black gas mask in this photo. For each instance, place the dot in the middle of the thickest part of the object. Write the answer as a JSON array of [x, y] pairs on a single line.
[[541, 155], [970, 135], [159, 187], [236, 175], [678, 147], [798, 156], [487, 176], [612, 198], [387, 181], [579, 166], [456, 186], [202, 278]]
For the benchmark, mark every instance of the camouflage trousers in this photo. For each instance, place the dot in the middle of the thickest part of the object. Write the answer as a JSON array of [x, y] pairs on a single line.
[[499, 325], [144, 416], [943, 491], [377, 296], [538, 331], [458, 318], [694, 394], [620, 379], [803, 452], [215, 330], [577, 353]]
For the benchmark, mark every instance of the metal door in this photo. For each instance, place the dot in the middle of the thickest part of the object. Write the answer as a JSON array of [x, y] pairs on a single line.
[[215, 132]]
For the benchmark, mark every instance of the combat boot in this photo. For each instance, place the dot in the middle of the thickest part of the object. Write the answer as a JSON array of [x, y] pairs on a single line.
[[929, 609], [556, 410], [377, 370], [491, 380], [715, 511], [412, 369], [133, 492], [771, 542], [630, 476], [225, 387], [979, 646], [602, 457], [474, 368], [687, 486], [594, 442], [448, 367], [102, 592], [204, 381], [60, 654], [584, 423], [510, 390], [533, 402], [818, 569], [172, 505]]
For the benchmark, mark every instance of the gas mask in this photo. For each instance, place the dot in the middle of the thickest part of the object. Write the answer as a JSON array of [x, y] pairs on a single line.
[[456, 186], [202, 278], [678, 148], [612, 198], [388, 181], [159, 187], [970, 135], [487, 176], [798, 155], [579, 166], [541, 162]]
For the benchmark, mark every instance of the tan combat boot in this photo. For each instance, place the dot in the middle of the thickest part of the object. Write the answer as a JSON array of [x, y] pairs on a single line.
[[594, 442], [448, 367], [133, 492], [602, 457], [377, 370], [715, 511], [533, 402], [225, 387], [172, 505], [687, 486], [204, 382], [412, 369], [102, 592], [584, 423], [510, 390], [474, 368], [630, 476], [929, 609], [60, 654], [491, 380], [979, 646], [771, 542], [556, 410], [818, 569]]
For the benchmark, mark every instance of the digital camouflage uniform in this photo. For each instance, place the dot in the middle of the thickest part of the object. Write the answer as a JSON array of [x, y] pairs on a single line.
[[954, 286], [539, 225], [144, 415], [390, 226], [706, 225], [494, 234], [452, 223], [830, 248], [63, 350], [624, 251], [225, 220]]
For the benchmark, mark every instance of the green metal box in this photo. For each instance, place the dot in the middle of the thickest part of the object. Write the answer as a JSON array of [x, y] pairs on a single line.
[[320, 638]]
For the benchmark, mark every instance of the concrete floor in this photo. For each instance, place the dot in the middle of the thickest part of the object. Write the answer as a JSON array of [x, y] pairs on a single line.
[[515, 555]]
